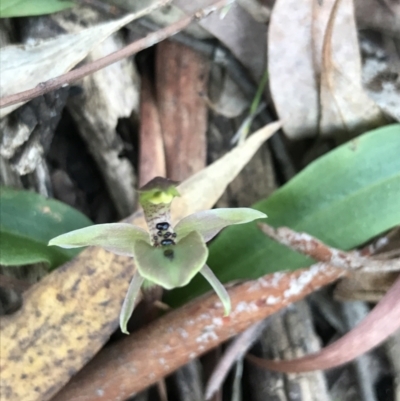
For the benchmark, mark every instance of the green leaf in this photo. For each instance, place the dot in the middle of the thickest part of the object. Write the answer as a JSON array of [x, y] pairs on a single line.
[[344, 198], [28, 221], [24, 8], [209, 223], [171, 266], [115, 237]]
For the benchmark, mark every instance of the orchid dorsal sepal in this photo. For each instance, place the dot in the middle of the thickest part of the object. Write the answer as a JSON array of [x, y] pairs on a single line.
[[115, 237], [171, 266], [130, 301], [218, 288], [158, 191], [209, 223]]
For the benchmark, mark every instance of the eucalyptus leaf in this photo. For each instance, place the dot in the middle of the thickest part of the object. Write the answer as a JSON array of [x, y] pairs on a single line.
[[28, 221], [344, 198], [24, 8]]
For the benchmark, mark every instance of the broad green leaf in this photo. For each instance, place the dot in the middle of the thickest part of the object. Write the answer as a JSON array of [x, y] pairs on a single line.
[[28, 221], [344, 198], [174, 265], [209, 223], [115, 237], [24, 8]]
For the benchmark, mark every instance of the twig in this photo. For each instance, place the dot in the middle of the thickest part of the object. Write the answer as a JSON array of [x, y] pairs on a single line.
[[171, 341], [310, 246], [129, 50]]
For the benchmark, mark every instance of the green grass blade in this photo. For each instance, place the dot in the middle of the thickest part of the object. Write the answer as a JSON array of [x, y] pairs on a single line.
[[24, 8], [344, 198], [28, 221]]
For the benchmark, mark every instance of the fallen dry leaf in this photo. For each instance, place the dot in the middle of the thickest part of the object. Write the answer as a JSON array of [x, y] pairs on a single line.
[[293, 81], [345, 106], [315, 69], [69, 315], [23, 67], [238, 31]]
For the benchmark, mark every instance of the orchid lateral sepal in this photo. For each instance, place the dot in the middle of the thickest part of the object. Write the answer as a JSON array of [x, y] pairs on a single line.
[[114, 237], [208, 223], [130, 301], [218, 288]]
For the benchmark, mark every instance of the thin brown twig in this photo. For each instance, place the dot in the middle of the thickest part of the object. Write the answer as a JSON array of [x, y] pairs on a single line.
[[129, 50], [311, 246]]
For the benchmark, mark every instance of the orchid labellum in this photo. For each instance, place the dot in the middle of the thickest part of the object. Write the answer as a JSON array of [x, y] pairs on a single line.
[[165, 255]]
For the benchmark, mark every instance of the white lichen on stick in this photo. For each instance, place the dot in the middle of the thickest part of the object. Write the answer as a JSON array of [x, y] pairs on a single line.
[[316, 249]]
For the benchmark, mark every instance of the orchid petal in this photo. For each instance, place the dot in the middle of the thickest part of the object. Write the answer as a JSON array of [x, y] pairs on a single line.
[[210, 222], [218, 288], [115, 237], [174, 265], [129, 301]]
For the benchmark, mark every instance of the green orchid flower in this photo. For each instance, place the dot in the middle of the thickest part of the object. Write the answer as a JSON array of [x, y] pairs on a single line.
[[165, 255]]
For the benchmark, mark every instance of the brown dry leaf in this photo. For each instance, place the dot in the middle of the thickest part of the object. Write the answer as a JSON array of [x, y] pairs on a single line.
[[345, 106], [315, 68], [69, 315]]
